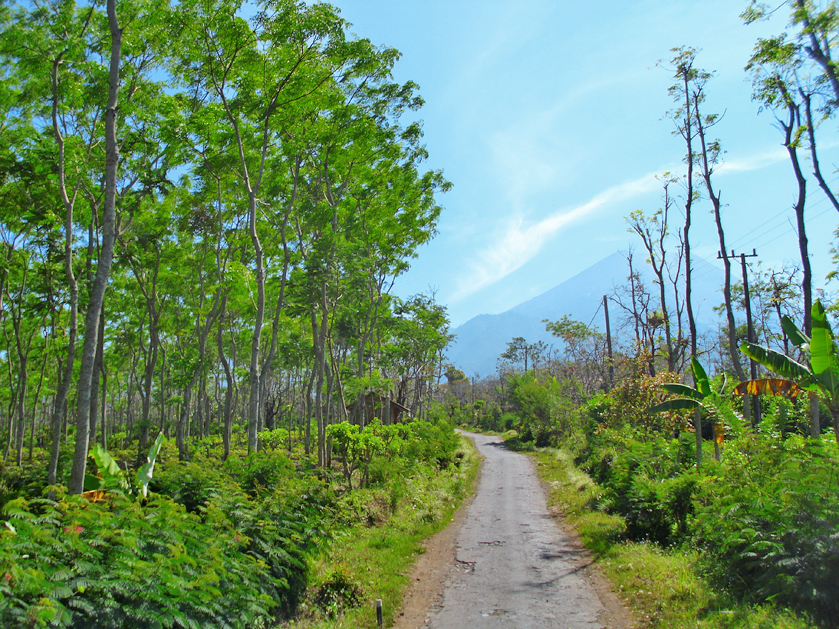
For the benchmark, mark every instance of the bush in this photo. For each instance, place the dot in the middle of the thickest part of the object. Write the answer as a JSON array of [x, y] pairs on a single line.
[[431, 442], [339, 590], [189, 483], [768, 524], [649, 482], [120, 563]]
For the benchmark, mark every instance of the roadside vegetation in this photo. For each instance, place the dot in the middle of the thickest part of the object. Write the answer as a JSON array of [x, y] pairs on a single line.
[[258, 540], [205, 206], [700, 465], [745, 541]]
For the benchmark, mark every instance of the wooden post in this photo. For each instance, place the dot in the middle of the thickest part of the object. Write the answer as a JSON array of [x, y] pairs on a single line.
[[609, 343]]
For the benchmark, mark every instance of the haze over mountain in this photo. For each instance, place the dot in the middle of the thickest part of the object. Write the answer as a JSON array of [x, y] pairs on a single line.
[[481, 339]]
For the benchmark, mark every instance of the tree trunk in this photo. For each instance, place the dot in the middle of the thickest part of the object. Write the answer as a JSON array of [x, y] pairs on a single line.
[[103, 268], [815, 428], [228, 392], [97, 371]]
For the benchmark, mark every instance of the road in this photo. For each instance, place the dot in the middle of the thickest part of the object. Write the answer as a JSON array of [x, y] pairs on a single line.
[[513, 567]]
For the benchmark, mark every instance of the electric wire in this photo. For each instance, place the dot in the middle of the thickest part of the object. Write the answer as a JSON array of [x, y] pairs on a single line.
[[808, 221]]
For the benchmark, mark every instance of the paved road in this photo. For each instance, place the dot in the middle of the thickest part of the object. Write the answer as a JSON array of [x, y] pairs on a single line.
[[514, 568]]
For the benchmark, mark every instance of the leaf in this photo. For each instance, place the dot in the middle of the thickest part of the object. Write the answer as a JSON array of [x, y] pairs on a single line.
[[674, 405], [682, 389], [145, 473], [92, 482], [776, 361], [111, 474], [823, 358], [719, 433], [796, 336], [769, 386], [703, 385]]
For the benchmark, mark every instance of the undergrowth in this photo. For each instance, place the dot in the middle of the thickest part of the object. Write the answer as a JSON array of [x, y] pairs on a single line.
[[664, 587], [372, 562], [252, 541]]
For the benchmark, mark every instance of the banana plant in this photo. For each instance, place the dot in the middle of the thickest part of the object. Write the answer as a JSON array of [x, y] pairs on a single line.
[[820, 376], [117, 480], [702, 396]]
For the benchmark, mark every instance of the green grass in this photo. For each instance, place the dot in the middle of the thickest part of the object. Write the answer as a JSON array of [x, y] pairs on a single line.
[[376, 561], [663, 588]]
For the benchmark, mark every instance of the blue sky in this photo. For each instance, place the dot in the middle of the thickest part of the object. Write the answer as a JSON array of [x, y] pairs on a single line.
[[549, 119]]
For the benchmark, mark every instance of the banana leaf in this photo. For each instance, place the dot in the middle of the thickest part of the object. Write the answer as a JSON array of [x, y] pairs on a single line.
[[682, 389], [823, 358], [145, 473], [703, 384], [796, 336], [674, 405], [776, 361], [769, 386], [112, 476]]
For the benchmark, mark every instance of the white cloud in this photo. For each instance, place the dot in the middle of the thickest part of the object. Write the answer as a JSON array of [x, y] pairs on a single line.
[[753, 162], [520, 244]]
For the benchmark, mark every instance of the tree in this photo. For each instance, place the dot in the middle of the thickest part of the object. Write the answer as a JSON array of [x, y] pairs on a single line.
[[684, 117], [653, 231], [701, 396], [520, 352], [804, 65], [821, 376]]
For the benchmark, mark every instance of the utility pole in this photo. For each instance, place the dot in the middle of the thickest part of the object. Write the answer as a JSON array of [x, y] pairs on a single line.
[[609, 343], [750, 330], [472, 391]]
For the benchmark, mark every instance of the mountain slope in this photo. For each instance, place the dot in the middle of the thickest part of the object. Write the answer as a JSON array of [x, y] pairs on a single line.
[[481, 339]]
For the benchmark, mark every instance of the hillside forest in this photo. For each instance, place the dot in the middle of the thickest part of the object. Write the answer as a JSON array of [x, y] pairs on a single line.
[[214, 412]]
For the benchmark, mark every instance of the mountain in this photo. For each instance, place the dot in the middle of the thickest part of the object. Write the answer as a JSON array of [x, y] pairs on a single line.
[[481, 339]]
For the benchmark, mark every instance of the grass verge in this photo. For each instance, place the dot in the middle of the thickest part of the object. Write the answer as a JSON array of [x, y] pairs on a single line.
[[364, 562], [662, 587]]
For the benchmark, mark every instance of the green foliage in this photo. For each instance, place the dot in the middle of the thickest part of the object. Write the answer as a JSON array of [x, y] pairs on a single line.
[[273, 439], [338, 591], [649, 482], [431, 443], [114, 479], [191, 484], [768, 520], [122, 563], [419, 441], [822, 375]]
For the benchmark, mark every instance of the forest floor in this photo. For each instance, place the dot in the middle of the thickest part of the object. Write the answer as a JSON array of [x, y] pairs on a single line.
[[507, 561]]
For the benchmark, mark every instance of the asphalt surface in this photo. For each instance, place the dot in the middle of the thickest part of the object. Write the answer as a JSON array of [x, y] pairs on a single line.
[[514, 568]]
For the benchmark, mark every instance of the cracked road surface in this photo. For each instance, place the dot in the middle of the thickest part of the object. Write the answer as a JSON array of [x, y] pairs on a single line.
[[514, 568]]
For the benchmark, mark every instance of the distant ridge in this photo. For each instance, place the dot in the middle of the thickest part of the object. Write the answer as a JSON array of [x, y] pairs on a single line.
[[481, 339]]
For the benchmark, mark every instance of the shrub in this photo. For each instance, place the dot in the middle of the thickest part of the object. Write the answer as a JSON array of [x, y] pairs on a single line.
[[768, 523], [650, 482], [189, 483], [121, 563], [339, 590]]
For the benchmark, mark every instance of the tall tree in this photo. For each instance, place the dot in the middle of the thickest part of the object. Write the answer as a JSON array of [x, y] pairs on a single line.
[[684, 118]]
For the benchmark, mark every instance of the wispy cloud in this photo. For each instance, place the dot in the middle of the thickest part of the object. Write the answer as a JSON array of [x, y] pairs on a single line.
[[753, 162], [521, 243]]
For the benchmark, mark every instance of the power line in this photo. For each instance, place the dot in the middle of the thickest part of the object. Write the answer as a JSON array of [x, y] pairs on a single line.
[[599, 306], [813, 191], [808, 220]]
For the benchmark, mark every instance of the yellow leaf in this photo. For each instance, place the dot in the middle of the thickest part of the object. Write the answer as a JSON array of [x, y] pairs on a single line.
[[769, 386]]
